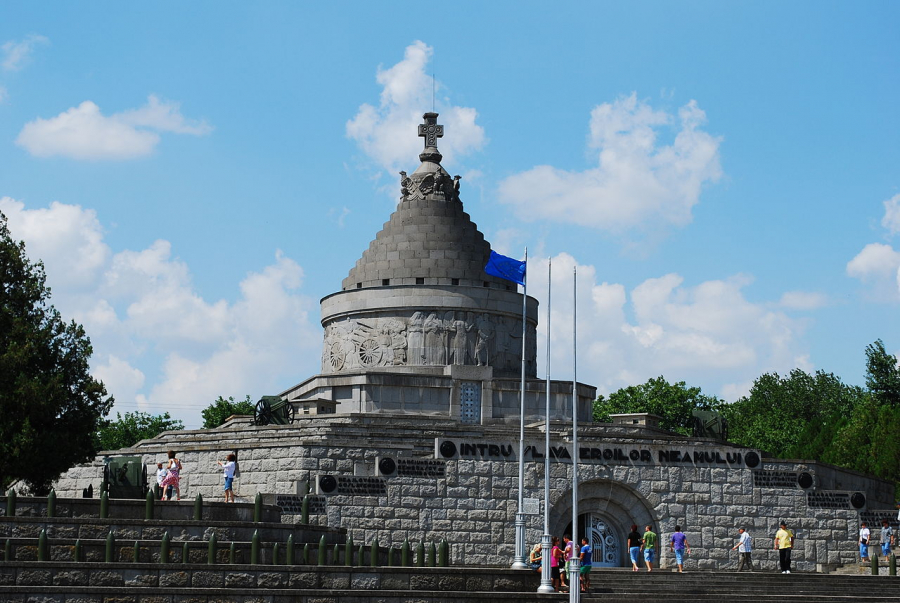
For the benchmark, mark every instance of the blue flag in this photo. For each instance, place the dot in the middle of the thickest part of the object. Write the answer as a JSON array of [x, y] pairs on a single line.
[[504, 267]]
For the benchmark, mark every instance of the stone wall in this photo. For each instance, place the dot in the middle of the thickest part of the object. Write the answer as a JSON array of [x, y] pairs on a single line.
[[473, 504]]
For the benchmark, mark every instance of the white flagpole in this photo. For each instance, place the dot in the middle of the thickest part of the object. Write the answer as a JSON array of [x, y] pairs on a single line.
[[546, 544], [574, 586], [519, 558]]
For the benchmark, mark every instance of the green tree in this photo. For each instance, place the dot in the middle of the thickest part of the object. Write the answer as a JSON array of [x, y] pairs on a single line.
[[49, 403], [216, 413], [882, 374], [127, 431], [783, 414], [672, 402]]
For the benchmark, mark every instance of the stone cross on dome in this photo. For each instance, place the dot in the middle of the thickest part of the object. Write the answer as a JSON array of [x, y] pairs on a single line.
[[430, 130]]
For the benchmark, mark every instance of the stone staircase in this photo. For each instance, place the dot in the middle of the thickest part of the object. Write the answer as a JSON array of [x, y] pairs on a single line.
[[147, 579]]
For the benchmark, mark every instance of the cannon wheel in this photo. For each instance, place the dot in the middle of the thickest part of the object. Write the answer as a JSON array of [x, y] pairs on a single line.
[[263, 413], [290, 412]]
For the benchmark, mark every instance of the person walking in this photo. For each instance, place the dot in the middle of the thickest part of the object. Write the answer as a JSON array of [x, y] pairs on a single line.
[[584, 572], [634, 547], [173, 477], [160, 476], [679, 543], [649, 546], [744, 547], [568, 552], [555, 557], [864, 535], [784, 543], [887, 539], [228, 467]]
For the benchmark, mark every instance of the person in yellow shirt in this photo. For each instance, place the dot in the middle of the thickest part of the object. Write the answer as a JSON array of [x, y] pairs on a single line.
[[784, 542]]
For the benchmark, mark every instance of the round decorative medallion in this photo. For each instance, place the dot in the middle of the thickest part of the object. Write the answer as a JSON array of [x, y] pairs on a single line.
[[387, 466], [805, 480], [751, 459], [327, 483], [448, 449], [858, 500]]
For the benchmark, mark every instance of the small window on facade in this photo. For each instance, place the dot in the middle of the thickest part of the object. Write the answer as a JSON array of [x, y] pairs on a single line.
[[385, 282], [486, 284], [359, 285], [454, 281], [420, 280]]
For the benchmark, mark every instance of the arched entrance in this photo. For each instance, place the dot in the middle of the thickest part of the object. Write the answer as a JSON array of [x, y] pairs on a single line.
[[605, 541], [606, 511]]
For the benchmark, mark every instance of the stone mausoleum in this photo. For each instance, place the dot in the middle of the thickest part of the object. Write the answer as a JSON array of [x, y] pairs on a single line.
[[411, 429]]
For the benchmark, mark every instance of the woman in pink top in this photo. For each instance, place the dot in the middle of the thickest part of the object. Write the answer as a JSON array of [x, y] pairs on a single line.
[[556, 555]]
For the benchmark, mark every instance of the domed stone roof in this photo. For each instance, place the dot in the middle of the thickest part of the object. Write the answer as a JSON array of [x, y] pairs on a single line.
[[429, 239]]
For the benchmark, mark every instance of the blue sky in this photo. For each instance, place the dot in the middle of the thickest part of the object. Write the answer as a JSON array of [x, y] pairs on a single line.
[[725, 176]]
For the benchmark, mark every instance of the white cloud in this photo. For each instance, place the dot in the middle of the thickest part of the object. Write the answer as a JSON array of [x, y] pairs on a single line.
[[637, 181], [159, 345], [878, 265], [709, 334], [67, 237], [387, 133], [891, 219], [83, 132], [803, 300], [16, 54]]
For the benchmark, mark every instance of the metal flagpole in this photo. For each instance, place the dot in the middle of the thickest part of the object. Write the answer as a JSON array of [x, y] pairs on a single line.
[[574, 586], [519, 559], [546, 545]]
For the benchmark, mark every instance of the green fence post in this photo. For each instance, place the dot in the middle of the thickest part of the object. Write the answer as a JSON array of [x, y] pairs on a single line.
[[892, 565], [373, 554], [211, 549], [231, 553], [275, 548], [432, 553], [109, 556], [198, 507], [43, 549], [336, 554], [164, 548], [404, 554], [7, 550], [289, 554], [874, 565], [77, 551], [51, 504], [148, 505], [444, 554], [304, 559], [185, 553], [322, 553], [359, 554], [304, 510], [390, 556], [254, 547], [137, 551], [104, 505], [257, 508], [348, 551], [420, 555], [10, 503]]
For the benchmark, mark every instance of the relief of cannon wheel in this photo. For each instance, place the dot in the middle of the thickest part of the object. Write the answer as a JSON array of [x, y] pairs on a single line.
[[336, 356], [369, 352]]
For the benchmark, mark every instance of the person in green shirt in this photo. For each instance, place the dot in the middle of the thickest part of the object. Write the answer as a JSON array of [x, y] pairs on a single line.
[[649, 546]]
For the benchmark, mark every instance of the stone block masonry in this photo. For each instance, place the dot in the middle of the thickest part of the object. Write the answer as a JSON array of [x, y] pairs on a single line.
[[627, 475]]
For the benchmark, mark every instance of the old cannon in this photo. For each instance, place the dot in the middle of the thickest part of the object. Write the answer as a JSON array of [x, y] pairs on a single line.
[[709, 424], [272, 410]]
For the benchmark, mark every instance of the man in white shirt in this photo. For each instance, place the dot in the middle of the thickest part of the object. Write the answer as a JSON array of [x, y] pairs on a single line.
[[160, 476], [744, 547]]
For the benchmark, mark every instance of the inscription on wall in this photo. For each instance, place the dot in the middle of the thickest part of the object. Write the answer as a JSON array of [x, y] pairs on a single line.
[[782, 479], [835, 499], [351, 485], [292, 504], [612, 455]]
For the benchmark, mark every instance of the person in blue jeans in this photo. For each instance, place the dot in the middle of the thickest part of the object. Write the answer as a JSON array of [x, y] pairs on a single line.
[[679, 543], [634, 547]]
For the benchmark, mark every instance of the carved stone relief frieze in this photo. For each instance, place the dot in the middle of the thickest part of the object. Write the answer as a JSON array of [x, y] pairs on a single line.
[[426, 339]]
